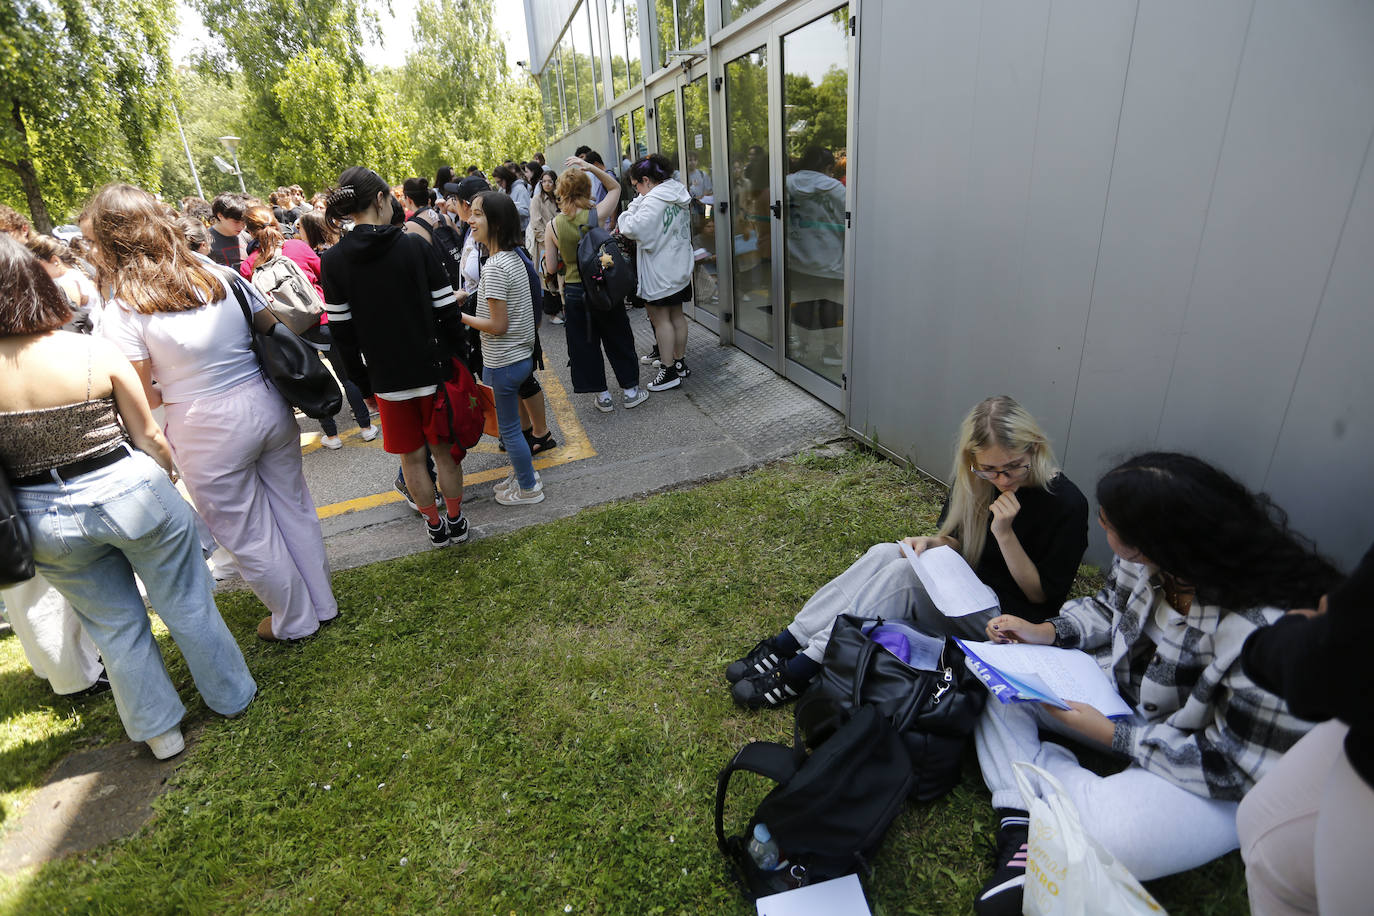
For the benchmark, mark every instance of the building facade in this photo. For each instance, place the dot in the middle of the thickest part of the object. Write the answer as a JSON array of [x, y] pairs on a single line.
[[1152, 222]]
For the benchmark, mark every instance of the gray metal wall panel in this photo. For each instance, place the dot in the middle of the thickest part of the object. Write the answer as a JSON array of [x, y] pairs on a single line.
[[1183, 66], [1087, 47], [1295, 141], [1320, 471], [919, 150]]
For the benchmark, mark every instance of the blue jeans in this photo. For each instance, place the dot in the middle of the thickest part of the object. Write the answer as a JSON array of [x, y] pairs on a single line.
[[90, 535], [505, 382]]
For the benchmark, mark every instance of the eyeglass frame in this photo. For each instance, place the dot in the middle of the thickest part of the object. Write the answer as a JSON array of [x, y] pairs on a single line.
[[1012, 473]]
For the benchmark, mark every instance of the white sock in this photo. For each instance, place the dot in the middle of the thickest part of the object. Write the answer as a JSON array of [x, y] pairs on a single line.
[[632, 392], [605, 393]]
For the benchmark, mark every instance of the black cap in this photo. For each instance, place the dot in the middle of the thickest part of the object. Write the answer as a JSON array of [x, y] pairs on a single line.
[[469, 188]]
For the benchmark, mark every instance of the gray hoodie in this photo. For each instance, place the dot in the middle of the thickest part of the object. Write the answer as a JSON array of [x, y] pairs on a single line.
[[661, 225]]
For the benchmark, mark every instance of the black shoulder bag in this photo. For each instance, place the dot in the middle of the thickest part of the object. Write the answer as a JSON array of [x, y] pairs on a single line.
[[16, 546], [293, 366]]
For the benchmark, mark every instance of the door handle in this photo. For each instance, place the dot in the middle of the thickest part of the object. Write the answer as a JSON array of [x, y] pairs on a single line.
[[724, 206], [777, 209]]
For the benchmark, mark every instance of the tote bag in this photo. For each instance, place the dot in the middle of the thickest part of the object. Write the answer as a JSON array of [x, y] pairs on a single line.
[[1068, 873]]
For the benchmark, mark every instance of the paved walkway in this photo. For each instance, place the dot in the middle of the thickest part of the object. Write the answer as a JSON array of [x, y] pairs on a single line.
[[730, 415]]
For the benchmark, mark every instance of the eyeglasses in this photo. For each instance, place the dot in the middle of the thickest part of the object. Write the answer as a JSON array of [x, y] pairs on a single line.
[[1013, 472]]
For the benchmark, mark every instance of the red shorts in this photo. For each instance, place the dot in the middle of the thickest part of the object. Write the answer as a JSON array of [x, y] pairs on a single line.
[[407, 425]]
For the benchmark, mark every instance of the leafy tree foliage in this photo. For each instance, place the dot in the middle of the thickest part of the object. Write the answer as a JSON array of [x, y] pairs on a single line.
[[82, 84], [463, 106]]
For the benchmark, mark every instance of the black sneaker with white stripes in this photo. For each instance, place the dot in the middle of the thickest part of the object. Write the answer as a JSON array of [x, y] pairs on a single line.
[[767, 691], [761, 659], [1006, 889]]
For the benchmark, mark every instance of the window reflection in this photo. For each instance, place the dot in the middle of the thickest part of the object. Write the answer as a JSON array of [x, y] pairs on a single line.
[[815, 105], [665, 115], [696, 142], [730, 10], [746, 109]]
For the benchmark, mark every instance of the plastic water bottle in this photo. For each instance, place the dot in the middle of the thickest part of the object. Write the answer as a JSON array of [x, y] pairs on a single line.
[[763, 849]]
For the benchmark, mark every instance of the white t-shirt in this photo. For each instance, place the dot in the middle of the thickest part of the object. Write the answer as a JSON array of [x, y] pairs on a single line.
[[194, 354]]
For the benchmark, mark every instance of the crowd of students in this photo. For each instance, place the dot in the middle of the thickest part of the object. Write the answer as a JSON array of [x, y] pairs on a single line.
[[1218, 625]]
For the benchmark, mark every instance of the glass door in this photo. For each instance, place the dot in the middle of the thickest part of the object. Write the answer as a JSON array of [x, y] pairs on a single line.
[[786, 122]]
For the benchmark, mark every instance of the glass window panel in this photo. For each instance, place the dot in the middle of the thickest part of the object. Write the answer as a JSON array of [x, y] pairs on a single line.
[[696, 141], [641, 133], [665, 35], [582, 54], [691, 23], [632, 40], [547, 102], [596, 58], [569, 74], [730, 10], [665, 116], [815, 101], [746, 135], [620, 55]]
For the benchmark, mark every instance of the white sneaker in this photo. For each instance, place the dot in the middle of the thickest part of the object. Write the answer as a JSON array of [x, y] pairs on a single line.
[[520, 497], [168, 744], [368, 433], [331, 442], [510, 482]]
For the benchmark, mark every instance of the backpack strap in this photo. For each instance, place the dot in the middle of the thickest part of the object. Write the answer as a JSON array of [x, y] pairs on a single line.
[[425, 226], [777, 762]]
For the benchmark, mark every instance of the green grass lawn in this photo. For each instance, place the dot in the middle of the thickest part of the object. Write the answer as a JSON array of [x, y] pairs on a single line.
[[527, 724]]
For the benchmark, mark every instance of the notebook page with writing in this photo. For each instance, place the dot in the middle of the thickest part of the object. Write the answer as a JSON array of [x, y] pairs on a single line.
[[950, 582]]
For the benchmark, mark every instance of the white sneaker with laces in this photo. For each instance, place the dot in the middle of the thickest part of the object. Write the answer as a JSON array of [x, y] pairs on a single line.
[[368, 433], [331, 442], [520, 497], [512, 481]]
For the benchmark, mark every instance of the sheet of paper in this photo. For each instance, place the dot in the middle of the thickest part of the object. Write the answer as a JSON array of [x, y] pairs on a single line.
[[837, 897], [1069, 674], [950, 581]]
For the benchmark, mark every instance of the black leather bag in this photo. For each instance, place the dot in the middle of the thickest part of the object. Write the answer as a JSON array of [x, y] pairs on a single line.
[[293, 366], [16, 546], [933, 711]]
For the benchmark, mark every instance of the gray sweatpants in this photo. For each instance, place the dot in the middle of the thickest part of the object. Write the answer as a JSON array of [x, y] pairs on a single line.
[[881, 583]]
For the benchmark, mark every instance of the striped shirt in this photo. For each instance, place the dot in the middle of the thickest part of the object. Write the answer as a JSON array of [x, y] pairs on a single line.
[[504, 277], [1200, 722]]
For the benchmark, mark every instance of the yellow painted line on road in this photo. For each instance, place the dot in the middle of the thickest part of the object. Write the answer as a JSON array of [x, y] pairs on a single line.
[[573, 446]]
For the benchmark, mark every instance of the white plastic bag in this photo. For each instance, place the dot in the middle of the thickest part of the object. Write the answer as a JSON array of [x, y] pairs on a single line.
[[1068, 873]]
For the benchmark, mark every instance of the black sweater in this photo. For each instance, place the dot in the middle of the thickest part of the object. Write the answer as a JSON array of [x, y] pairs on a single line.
[[1052, 527], [1318, 664], [389, 300]]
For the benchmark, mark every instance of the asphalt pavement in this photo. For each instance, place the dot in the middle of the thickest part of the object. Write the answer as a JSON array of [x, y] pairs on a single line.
[[731, 415]]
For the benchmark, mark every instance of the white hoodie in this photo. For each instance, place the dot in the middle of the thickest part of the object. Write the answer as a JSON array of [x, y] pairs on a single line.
[[661, 224]]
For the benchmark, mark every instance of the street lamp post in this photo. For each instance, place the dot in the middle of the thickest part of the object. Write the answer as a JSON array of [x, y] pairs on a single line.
[[232, 145]]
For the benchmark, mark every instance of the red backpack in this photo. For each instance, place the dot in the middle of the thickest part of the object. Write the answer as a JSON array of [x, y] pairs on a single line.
[[458, 413]]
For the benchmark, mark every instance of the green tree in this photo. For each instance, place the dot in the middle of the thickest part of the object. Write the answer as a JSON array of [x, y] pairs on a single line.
[[463, 105], [336, 123], [82, 84]]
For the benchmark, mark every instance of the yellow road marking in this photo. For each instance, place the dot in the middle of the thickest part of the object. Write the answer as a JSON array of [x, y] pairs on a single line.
[[573, 446]]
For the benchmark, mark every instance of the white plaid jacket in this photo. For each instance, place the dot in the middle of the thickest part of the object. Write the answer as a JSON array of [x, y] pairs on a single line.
[[1200, 722]]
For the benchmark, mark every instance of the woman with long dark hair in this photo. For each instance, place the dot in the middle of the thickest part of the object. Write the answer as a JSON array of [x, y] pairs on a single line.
[[235, 438], [505, 317], [1201, 563], [92, 476], [1012, 515]]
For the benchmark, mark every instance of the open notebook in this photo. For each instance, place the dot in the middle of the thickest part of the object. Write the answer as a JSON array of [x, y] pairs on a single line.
[[950, 582]]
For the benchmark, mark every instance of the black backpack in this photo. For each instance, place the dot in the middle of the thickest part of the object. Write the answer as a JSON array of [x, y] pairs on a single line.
[[830, 809], [448, 244], [607, 277], [536, 288]]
